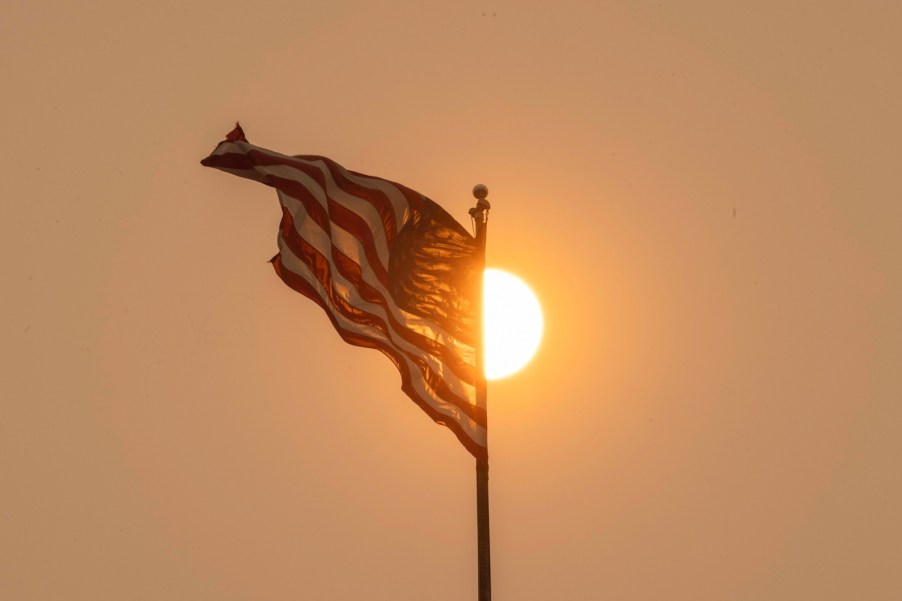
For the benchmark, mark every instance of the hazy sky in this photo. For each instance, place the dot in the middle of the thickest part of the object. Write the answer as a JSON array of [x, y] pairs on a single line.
[[705, 196]]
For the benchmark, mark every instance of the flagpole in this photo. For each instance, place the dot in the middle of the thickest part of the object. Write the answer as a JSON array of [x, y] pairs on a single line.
[[480, 214]]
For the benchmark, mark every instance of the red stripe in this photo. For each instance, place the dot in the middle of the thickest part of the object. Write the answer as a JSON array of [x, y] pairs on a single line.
[[232, 163], [321, 268], [301, 286], [414, 199], [356, 226], [377, 198]]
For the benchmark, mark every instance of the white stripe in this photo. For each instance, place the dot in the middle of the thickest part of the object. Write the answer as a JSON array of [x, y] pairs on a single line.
[[363, 208], [250, 174], [476, 432], [398, 202]]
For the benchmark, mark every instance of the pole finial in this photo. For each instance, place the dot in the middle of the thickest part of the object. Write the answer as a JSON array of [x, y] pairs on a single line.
[[481, 210]]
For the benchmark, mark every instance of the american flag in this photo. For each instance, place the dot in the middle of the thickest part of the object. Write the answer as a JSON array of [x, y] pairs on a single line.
[[391, 268]]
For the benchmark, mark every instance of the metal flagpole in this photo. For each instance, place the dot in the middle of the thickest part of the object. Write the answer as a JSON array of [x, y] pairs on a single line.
[[480, 214]]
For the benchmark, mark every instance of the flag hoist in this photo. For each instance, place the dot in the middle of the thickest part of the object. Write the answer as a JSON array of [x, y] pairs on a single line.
[[393, 271]]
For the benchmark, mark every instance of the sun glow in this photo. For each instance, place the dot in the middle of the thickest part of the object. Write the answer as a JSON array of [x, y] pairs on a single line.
[[513, 323]]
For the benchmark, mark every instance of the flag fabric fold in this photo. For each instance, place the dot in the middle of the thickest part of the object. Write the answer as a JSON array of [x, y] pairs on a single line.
[[392, 270]]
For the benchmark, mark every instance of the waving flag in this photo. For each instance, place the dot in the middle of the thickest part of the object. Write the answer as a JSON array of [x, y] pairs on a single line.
[[391, 269]]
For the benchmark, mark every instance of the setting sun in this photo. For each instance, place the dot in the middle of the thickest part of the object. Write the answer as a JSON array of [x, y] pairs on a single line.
[[513, 323]]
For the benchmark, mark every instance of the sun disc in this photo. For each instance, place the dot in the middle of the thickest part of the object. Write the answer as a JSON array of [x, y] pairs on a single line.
[[513, 323]]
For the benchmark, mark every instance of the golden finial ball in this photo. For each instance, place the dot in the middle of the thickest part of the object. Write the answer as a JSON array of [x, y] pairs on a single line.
[[480, 191]]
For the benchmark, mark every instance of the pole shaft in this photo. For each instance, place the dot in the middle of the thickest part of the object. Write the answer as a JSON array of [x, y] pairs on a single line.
[[482, 467], [482, 529]]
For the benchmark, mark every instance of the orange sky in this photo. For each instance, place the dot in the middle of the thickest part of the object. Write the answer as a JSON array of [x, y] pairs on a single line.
[[704, 195]]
